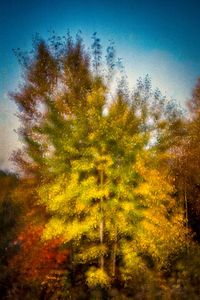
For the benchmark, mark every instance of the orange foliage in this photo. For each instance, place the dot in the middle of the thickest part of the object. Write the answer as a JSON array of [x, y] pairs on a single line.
[[36, 259]]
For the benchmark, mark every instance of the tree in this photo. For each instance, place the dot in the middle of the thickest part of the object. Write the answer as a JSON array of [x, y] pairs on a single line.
[[93, 168], [187, 164], [10, 212], [38, 268], [97, 52]]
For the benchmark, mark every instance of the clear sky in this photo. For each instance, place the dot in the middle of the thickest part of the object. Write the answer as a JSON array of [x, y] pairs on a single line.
[[161, 38]]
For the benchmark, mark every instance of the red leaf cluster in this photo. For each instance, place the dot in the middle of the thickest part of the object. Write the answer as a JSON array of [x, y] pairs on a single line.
[[37, 259]]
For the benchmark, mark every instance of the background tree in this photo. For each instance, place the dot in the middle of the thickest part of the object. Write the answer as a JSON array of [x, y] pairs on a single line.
[[10, 213], [187, 164], [97, 52]]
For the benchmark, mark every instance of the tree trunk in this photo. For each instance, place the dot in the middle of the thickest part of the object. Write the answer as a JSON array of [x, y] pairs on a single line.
[[186, 211], [114, 260], [101, 227]]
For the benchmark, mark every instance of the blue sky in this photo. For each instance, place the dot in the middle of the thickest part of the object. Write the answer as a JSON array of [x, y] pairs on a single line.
[[160, 38]]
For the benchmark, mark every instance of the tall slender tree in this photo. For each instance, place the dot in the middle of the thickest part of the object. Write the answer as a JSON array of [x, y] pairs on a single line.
[[93, 168]]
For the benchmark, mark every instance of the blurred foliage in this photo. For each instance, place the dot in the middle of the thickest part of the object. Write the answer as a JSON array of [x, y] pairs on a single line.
[[106, 200], [10, 211]]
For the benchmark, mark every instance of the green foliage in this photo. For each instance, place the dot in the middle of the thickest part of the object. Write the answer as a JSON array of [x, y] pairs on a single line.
[[182, 278]]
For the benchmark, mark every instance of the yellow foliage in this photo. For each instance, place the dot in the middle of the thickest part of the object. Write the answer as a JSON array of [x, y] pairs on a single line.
[[97, 277], [93, 252]]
